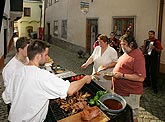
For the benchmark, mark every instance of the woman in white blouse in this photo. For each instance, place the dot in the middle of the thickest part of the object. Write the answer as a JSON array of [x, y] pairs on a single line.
[[103, 56]]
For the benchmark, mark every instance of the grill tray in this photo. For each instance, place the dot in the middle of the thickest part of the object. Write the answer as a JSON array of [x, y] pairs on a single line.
[[56, 113]]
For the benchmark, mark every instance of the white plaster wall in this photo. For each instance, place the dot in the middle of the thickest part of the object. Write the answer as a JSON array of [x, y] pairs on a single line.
[[57, 11], [145, 11]]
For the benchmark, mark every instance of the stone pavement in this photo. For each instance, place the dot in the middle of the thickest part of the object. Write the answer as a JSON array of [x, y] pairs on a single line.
[[152, 106]]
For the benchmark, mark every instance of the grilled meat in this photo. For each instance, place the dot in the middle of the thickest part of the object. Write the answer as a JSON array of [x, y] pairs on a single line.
[[73, 103], [89, 113]]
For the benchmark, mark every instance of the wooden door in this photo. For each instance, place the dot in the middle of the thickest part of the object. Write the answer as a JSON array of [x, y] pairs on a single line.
[[91, 32], [88, 36]]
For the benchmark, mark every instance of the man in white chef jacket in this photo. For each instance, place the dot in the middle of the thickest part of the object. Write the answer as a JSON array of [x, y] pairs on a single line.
[[32, 87], [18, 61]]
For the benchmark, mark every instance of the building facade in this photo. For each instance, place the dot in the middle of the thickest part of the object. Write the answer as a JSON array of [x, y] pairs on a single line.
[[76, 23], [30, 21], [10, 13]]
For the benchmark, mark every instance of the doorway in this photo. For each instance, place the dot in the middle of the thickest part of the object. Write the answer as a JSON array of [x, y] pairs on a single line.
[[29, 30], [48, 32], [91, 33]]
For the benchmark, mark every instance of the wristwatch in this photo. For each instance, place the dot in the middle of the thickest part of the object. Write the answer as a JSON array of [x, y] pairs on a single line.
[[123, 78]]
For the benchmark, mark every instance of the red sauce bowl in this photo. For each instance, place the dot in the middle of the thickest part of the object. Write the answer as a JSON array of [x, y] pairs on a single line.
[[114, 102]]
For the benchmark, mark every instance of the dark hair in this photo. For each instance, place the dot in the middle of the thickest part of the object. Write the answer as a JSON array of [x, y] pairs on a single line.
[[112, 33], [97, 36], [152, 31], [130, 40], [21, 43], [103, 37], [36, 47]]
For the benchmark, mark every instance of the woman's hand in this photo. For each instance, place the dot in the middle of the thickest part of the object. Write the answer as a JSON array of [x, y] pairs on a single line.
[[118, 75]]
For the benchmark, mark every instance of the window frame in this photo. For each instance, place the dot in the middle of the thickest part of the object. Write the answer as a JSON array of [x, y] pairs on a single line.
[[27, 12], [64, 29], [56, 1], [56, 31], [123, 23]]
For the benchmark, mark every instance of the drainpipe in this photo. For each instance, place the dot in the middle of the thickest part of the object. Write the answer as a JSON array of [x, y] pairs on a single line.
[[160, 26], [160, 19], [44, 10], [40, 6]]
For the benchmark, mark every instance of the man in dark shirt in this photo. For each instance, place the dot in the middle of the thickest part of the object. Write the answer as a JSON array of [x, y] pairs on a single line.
[[151, 50]]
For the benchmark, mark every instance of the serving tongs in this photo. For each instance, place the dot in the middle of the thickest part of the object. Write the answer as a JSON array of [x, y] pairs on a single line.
[[94, 77], [101, 68]]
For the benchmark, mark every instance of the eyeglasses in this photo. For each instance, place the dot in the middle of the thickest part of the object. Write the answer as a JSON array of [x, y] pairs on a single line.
[[123, 43]]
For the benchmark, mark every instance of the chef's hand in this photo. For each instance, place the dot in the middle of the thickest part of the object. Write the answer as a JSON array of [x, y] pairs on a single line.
[[118, 75], [84, 66], [87, 78]]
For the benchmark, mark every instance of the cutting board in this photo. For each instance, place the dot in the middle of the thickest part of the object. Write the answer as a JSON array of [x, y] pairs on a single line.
[[77, 118]]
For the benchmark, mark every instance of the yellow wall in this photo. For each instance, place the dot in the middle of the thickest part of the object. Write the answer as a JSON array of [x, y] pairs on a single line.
[[33, 21]]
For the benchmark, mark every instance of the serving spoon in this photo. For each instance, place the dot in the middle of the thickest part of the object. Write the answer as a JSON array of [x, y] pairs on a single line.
[[102, 104]]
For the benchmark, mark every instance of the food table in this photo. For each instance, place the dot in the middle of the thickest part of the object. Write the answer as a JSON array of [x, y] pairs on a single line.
[[55, 113]]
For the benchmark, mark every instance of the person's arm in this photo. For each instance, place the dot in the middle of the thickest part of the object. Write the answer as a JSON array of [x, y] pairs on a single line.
[[6, 97], [111, 65], [77, 85], [132, 77], [88, 62], [158, 48], [142, 48]]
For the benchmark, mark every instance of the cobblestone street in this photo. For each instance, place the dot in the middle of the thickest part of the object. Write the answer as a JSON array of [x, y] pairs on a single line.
[[152, 105]]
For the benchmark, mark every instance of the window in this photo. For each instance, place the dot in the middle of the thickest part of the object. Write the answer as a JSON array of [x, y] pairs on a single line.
[[27, 12], [121, 24], [56, 1], [56, 27], [64, 29], [47, 3]]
